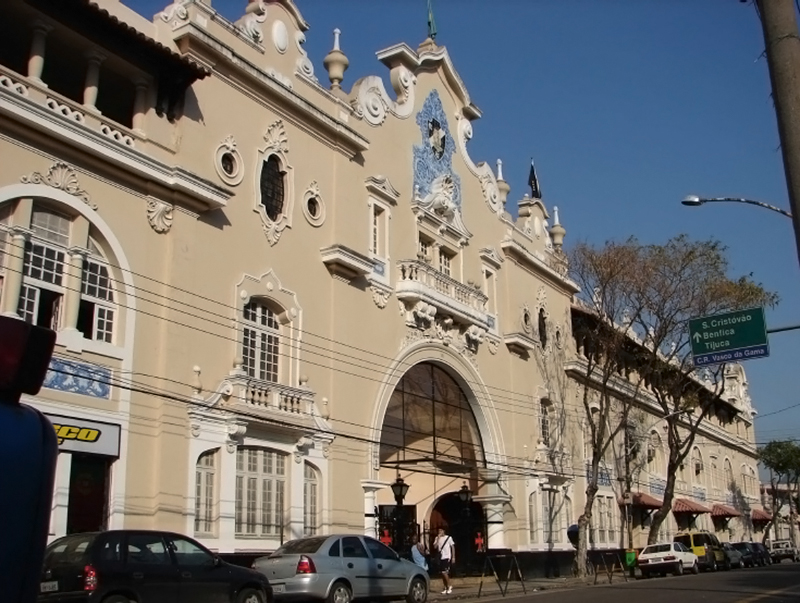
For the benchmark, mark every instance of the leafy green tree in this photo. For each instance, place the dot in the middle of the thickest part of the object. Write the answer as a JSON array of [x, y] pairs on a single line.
[[782, 459]]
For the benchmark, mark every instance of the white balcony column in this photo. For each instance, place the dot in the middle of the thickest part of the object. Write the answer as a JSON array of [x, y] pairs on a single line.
[[38, 45], [12, 285], [73, 285], [140, 106], [371, 488], [94, 60], [493, 500], [296, 496], [227, 494]]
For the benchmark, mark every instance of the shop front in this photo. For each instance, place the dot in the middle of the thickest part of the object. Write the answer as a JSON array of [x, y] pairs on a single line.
[[87, 453]]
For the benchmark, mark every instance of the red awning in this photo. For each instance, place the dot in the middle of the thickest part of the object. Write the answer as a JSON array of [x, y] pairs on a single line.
[[759, 515], [724, 511], [641, 499], [684, 505]]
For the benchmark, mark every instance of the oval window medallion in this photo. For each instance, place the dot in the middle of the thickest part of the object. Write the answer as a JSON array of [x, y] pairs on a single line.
[[313, 205], [228, 162], [280, 36]]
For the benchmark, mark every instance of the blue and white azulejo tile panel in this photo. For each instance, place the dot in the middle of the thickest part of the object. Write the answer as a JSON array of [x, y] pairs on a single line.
[[78, 378], [434, 157]]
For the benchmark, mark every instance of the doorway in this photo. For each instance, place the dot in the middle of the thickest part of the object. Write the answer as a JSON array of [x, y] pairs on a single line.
[[87, 510], [466, 523]]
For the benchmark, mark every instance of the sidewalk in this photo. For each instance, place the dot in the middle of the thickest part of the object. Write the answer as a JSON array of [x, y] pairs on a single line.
[[467, 588]]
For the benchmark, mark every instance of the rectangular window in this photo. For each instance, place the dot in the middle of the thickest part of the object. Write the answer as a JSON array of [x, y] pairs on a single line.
[[260, 342], [44, 263], [40, 307], [50, 226], [377, 231], [204, 519], [445, 262], [544, 422], [260, 487], [424, 248], [310, 492]]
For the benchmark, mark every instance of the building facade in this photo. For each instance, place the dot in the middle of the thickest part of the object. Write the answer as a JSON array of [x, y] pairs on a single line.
[[274, 296]]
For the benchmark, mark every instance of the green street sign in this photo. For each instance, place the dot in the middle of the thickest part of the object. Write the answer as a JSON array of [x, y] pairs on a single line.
[[729, 337]]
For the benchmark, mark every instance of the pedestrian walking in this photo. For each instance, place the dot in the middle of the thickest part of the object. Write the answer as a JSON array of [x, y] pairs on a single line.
[[446, 552]]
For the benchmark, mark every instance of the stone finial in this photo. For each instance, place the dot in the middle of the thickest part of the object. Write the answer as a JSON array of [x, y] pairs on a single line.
[[336, 63], [557, 232], [197, 385], [503, 187]]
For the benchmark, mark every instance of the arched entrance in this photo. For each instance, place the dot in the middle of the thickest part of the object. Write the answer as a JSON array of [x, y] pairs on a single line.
[[466, 523], [430, 438]]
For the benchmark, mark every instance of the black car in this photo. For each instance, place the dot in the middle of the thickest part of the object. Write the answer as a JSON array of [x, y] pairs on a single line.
[[762, 554], [120, 566], [749, 554]]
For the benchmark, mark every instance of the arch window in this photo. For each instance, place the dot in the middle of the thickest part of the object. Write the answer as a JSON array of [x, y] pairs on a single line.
[[545, 424], [542, 328], [273, 187], [260, 491], [697, 466], [310, 500], [42, 292], [260, 342], [730, 480], [96, 312], [205, 493]]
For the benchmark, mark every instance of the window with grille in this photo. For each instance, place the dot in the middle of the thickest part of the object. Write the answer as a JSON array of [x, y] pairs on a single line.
[[377, 230], [96, 310], [260, 492], [272, 187], [544, 421], [445, 262], [205, 494], [310, 501], [424, 248], [260, 342]]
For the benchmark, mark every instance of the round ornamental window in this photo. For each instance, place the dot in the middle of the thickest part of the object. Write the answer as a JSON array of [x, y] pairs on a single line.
[[313, 205], [228, 163], [527, 321]]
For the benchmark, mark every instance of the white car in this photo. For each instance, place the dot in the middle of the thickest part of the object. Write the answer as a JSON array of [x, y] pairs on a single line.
[[667, 558]]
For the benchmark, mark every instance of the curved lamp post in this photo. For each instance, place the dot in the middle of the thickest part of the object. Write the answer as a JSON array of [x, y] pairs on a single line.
[[399, 489], [695, 201]]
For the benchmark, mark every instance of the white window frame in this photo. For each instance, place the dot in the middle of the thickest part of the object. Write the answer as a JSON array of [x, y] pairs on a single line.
[[205, 513], [259, 342], [446, 262], [311, 499], [545, 428], [379, 216], [102, 307], [261, 493]]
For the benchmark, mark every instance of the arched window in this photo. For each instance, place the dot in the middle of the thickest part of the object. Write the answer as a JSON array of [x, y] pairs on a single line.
[[698, 468], [260, 342], [272, 187], [205, 494], [533, 517], [96, 311], [730, 480], [260, 491], [542, 328], [310, 500]]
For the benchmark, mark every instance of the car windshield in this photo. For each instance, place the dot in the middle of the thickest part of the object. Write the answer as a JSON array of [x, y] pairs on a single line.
[[685, 540], [657, 548], [69, 550], [304, 546]]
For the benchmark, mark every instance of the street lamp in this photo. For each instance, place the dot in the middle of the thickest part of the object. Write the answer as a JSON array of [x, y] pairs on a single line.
[[399, 489], [465, 494], [695, 201]]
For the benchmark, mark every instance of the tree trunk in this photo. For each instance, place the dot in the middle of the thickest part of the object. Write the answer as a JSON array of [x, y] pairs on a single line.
[[666, 506], [583, 527]]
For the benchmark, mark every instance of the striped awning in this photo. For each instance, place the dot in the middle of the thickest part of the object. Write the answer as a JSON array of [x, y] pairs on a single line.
[[759, 515], [643, 500], [724, 511], [684, 505]]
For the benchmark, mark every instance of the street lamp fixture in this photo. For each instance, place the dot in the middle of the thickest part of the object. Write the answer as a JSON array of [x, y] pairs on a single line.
[[465, 494], [399, 489], [695, 201]]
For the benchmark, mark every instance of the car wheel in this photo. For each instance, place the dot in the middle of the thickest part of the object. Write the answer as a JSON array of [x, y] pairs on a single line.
[[417, 592], [678, 569], [251, 595], [340, 593], [695, 568]]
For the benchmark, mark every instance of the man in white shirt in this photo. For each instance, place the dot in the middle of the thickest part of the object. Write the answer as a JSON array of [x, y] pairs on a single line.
[[446, 549]]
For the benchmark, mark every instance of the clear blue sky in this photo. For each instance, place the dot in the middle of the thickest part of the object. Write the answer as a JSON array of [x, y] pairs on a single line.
[[627, 107]]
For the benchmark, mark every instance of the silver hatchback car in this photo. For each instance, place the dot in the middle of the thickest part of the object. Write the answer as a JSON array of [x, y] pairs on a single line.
[[342, 567]]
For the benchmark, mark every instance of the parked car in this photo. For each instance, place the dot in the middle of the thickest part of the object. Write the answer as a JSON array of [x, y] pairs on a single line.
[[782, 549], [120, 566], [763, 556], [733, 556], [342, 567], [667, 557], [706, 546], [750, 557]]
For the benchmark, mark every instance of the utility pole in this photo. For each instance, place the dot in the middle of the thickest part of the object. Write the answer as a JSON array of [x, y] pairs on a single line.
[[782, 49]]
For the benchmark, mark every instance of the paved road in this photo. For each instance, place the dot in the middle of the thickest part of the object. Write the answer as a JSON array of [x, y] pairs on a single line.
[[772, 584]]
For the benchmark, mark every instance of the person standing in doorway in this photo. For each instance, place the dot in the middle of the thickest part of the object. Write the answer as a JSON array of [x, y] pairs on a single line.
[[446, 551]]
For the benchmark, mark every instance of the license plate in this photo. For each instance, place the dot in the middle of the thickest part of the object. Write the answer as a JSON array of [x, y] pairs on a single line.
[[279, 588], [655, 560], [48, 587]]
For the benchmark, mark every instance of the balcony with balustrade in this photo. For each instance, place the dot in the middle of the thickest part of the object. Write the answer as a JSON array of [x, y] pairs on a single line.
[[418, 282]]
